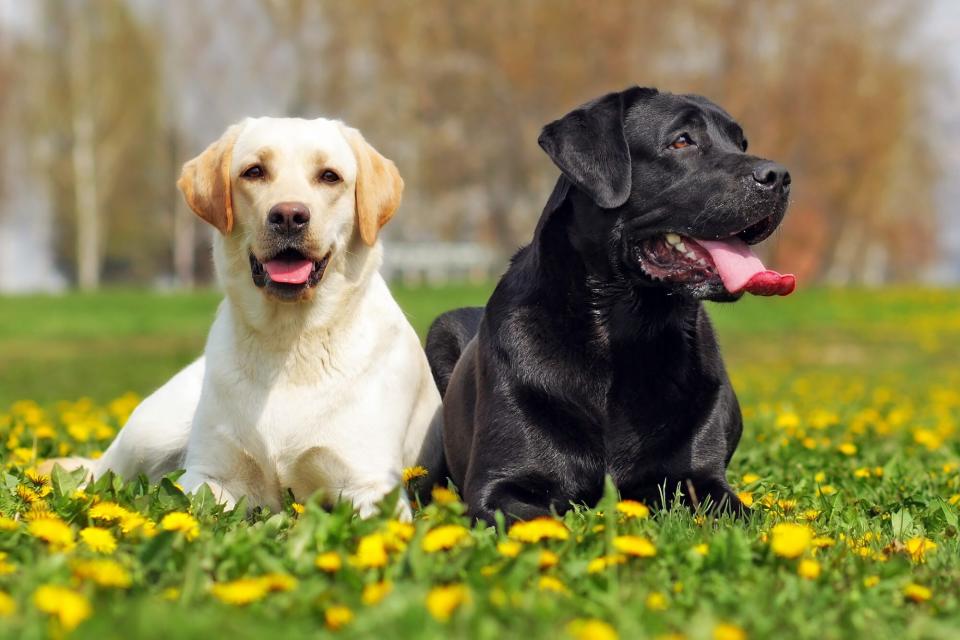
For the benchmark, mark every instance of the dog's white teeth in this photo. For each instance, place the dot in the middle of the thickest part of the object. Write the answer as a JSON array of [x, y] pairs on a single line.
[[702, 261], [673, 239], [691, 255], [682, 248]]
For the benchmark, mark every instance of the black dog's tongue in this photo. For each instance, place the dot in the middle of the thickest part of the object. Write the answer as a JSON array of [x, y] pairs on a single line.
[[741, 269]]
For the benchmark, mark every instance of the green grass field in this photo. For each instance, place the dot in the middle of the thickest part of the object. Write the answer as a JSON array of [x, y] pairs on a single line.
[[850, 458]]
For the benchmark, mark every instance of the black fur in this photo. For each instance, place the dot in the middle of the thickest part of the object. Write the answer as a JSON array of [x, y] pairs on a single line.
[[582, 364]]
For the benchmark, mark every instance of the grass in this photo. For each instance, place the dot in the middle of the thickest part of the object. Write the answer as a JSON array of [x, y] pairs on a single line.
[[851, 402]]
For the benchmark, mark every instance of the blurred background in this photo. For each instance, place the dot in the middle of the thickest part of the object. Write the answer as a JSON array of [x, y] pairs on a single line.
[[101, 102]]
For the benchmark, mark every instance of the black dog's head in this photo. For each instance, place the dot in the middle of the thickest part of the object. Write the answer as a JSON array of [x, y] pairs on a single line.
[[671, 192]]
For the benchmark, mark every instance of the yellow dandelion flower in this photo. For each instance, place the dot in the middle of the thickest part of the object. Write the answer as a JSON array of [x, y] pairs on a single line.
[[547, 559], [98, 539], [701, 549], [823, 542], [8, 524], [103, 573], [69, 607], [27, 494], [954, 499], [862, 472], [170, 594], [278, 582], [371, 552], [750, 478], [552, 584], [808, 569], [509, 548], [871, 581], [8, 606], [337, 617], [826, 490], [329, 561], [54, 532], [240, 592], [656, 601], [787, 420], [746, 497], [601, 563], [820, 477], [442, 601], [298, 508], [412, 473], [725, 631], [810, 515], [402, 531], [108, 511], [443, 496], [634, 546], [539, 529], [374, 592], [633, 509], [6, 568], [444, 537], [181, 522], [848, 449], [790, 540], [918, 548], [591, 629], [917, 593]]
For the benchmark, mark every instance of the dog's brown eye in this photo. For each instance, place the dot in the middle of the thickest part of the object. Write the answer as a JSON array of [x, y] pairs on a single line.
[[330, 176], [253, 173], [682, 141]]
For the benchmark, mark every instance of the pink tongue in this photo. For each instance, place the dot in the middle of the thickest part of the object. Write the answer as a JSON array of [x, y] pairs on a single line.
[[741, 270], [292, 272]]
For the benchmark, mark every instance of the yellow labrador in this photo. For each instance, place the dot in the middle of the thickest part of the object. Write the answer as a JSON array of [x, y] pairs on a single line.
[[312, 379]]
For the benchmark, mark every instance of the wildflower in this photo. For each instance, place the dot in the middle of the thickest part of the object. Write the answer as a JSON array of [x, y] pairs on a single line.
[[547, 559], [412, 473], [633, 509], [862, 472], [750, 478], [371, 552], [398, 534], [443, 496], [68, 606], [103, 573], [790, 540], [826, 490], [823, 542], [278, 582], [240, 592], [337, 617], [442, 601], [656, 601], [444, 537], [552, 584], [98, 540], [599, 564], [8, 606], [6, 568], [181, 522], [809, 569], [8, 524], [918, 548], [329, 562], [917, 593], [170, 594], [374, 592], [591, 629], [810, 515], [108, 511], [509, 548], [726, 631], [54, 532], [132, 522], [848, 449], [538, 529], [701, 549], [634, 546], [746, 497], [298, 508], [871, 581]]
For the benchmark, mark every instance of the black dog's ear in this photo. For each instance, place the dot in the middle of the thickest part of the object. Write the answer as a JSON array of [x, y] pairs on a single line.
[[589, 147]]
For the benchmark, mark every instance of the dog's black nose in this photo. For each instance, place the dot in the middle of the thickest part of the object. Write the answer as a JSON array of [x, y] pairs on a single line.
[[288, 217], [771, 175]]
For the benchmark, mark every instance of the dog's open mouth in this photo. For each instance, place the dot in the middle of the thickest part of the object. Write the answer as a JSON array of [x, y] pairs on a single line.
[[677, 259], [289, 272]]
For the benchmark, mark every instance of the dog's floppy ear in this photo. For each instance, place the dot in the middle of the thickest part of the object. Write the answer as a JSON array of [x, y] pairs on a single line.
[[205, 182], [589, 147], [379, 186]]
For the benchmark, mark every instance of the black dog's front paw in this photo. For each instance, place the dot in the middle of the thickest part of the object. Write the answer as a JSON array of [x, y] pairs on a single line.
[[717, 495]]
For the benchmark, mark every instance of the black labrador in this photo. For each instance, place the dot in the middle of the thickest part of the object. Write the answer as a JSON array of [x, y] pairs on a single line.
[[594, 355]]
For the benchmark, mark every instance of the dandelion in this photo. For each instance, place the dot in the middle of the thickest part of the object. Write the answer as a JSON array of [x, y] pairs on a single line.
[[725, 631], [547, 559], [54, 532], [278, 582], [337, 617], [69, 607], [918, 548], [444, 537], [240, 592], [539, 529], [552, 584], [826, 490], [108, 511], [701, 549], [298, 508], [750, 478], [848, 449], [746, 497], [329, 562], [509, 548], [808, 569], [181, 522], [633, 509], [398, 534], [8, 606], [371, 552], [8, 524], [656, 601], [790, 540], [634, 546], [917, 593], [601, 563], [412, 473], [442, 601], [443, 496], [374, 592], [862, 472], [591, 629], [103, 573], [98, 540], [871, 581]]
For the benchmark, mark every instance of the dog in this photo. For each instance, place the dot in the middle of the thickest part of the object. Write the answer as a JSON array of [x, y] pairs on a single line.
[[594, 356], [312, 378]]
